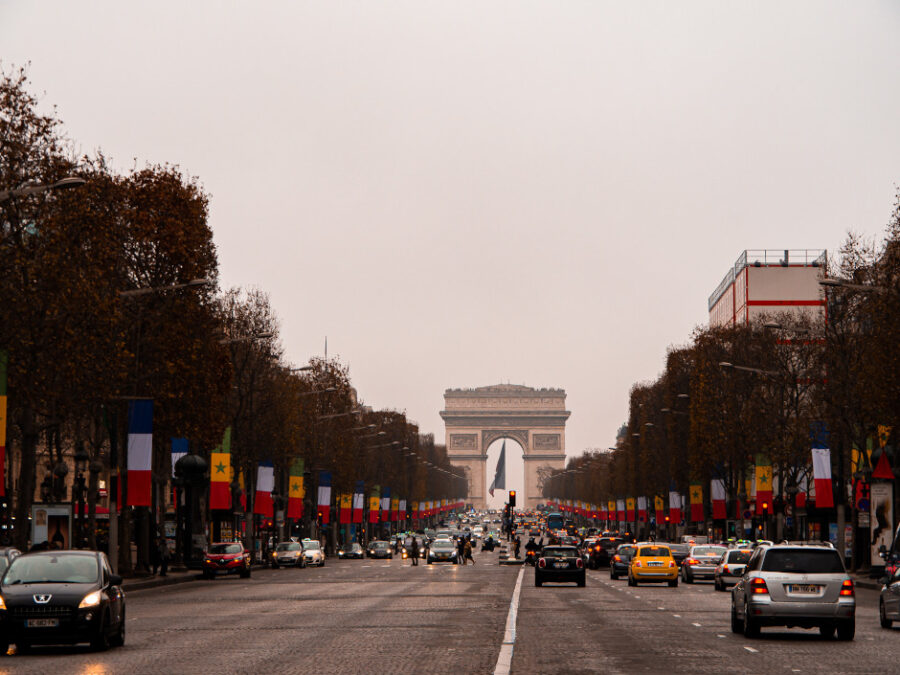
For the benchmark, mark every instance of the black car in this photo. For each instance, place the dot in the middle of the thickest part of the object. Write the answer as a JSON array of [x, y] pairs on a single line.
[[679, 552], [348, 551], [603, 551], [559, 564], [621, 560], [380, 549], [61, 597]]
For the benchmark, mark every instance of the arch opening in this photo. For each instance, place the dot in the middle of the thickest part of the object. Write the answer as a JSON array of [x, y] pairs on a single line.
[[515, 470]]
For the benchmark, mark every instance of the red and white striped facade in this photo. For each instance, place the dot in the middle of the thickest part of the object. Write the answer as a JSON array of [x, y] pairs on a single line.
[[769, 282]]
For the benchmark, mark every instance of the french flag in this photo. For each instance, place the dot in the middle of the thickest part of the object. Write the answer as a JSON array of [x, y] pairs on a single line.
[[265, 483], [140, 452], [821, 459], [674, 505], [717, 492], [358, 500], [386, 505], [325, 496]]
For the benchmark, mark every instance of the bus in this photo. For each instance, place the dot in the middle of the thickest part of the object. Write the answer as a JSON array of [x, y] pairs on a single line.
[[555, 521]]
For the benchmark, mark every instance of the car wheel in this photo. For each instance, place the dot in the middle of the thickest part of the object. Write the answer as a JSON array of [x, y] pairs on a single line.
[[427, 562], [674, 583], [118, 640], [23, 647], [274, 566], [582, 581], [751, 627], [688, 577], [882, 615], [322, 564], [827, 631], [245, 574], [737, 625], [538, 581], [631, 581], [613, 575], [846, 630], [208, 575]]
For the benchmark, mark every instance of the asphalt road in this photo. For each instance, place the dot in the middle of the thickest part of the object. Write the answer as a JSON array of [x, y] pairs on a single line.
[[388, 617]]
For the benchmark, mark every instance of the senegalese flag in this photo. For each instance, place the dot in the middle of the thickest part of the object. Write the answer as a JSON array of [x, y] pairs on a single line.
[[395, 509], [374, 504], [3, 362], [629, 509], [346, 508], [220, 474], [763, 484], [659, 505], [296, 490], [696, 502]]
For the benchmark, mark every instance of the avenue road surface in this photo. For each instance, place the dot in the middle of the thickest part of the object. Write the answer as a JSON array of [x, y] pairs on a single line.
[[373, 616]]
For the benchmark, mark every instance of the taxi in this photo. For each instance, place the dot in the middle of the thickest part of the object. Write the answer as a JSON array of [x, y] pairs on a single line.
[[652, 563]]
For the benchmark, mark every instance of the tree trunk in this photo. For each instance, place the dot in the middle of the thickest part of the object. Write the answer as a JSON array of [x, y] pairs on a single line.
[[25, 495]]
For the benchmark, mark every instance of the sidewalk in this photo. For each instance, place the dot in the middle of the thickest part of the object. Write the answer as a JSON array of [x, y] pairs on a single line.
[[137, 583]]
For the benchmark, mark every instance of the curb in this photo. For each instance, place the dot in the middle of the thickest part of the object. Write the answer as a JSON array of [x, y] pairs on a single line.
[[154, 582]]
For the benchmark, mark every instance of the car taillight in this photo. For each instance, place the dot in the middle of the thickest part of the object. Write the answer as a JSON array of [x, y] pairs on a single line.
[[617, 558], [671, 563], [758, 586], [847, 588], [579, 563], [690, 561], [637, 563], [542, 563], [725, 569]]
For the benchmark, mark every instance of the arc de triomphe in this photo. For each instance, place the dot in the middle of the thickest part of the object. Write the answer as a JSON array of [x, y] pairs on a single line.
[[534, 418]]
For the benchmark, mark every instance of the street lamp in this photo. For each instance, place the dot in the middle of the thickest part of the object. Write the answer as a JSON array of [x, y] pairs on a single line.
[[147, 290], [863, 288], [265, 335], [34, 188]]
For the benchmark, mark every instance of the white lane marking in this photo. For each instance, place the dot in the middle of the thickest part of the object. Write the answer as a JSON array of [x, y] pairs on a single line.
[[662, 608], [366, 565], [385, 565], [677, 616], [751, 650], [719, 635], [504, 659], [696, 624]]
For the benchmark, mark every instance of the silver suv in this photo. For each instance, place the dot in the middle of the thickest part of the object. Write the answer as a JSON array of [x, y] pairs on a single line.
[[794, 585]]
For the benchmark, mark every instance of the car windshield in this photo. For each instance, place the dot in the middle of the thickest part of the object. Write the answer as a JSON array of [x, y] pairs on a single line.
[[681, 549], [289, 546], [610, 544], [53, 569], [380, 544], [220, 549], [349, 547], [443, 545], [559, 552], [739, 557], [799, 561], [709, 550], [654, 552], [310, 546], [626, 552]]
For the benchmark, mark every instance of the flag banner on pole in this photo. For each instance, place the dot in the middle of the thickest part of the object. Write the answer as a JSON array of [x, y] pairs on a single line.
[[358, 501], [4, 360], [386, 505], [346, 508], [629, 509], [602, 512], [674, 504], [763, 484], [415, 510], [611, 510], [642, 509], [821, 461], [802, 490], [717, 493], [374, 504], [324, 501], [395, 509], [499, 481], [220, 474], [620, 510], [140, 452], [403, 510], [659, 505], [243, 490], [696, 493], [296, 490], [265, 483], [179, 450]]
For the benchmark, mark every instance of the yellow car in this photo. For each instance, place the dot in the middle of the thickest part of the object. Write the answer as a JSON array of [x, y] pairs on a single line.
[[652, 563]]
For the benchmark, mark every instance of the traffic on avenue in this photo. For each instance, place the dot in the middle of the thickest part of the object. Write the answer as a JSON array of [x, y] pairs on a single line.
[[464, 596]]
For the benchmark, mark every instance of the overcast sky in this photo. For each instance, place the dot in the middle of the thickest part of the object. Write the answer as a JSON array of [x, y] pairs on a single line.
[[464, 193]]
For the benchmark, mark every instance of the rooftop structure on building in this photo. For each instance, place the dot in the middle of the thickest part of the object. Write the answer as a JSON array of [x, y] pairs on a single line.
[[767, 282]]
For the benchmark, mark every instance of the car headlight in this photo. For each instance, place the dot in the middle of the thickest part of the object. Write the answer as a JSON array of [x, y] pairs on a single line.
[[209, 560], [90, 600], [2, 603]]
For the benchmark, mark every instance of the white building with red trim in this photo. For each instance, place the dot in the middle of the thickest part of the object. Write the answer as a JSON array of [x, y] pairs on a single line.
[[767, 282]]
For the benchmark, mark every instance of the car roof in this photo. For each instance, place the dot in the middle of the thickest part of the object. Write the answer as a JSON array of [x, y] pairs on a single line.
[[65, 551]]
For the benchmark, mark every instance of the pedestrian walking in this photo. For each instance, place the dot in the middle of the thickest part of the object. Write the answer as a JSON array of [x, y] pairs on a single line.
[[518, 544], [467, 552], [461, 552], [414, 552], [163, 556], [154, 556]]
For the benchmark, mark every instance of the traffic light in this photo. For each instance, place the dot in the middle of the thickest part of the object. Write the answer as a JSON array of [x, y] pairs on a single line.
[[512, 498]]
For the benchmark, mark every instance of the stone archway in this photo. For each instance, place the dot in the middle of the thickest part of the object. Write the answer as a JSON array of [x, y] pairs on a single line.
[[535, 418]]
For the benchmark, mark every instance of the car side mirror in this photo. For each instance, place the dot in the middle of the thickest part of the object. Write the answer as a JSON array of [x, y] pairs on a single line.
[[115, 580], [884, 580]]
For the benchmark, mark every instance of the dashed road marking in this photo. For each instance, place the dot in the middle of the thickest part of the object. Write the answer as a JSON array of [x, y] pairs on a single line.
[[504, 659], [751, 650], [662, 608], [677, 616], [719, 635], [696, 624]]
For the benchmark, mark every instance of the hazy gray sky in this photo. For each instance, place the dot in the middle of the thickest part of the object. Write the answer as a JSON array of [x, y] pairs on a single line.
[[463, 193]]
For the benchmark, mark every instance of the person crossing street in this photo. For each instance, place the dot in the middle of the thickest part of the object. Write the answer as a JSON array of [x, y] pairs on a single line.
[[414, 551]]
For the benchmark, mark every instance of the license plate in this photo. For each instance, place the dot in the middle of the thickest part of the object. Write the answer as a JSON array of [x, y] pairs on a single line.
[[560, 565], [806, 589], [654, 564], [42, 623]]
